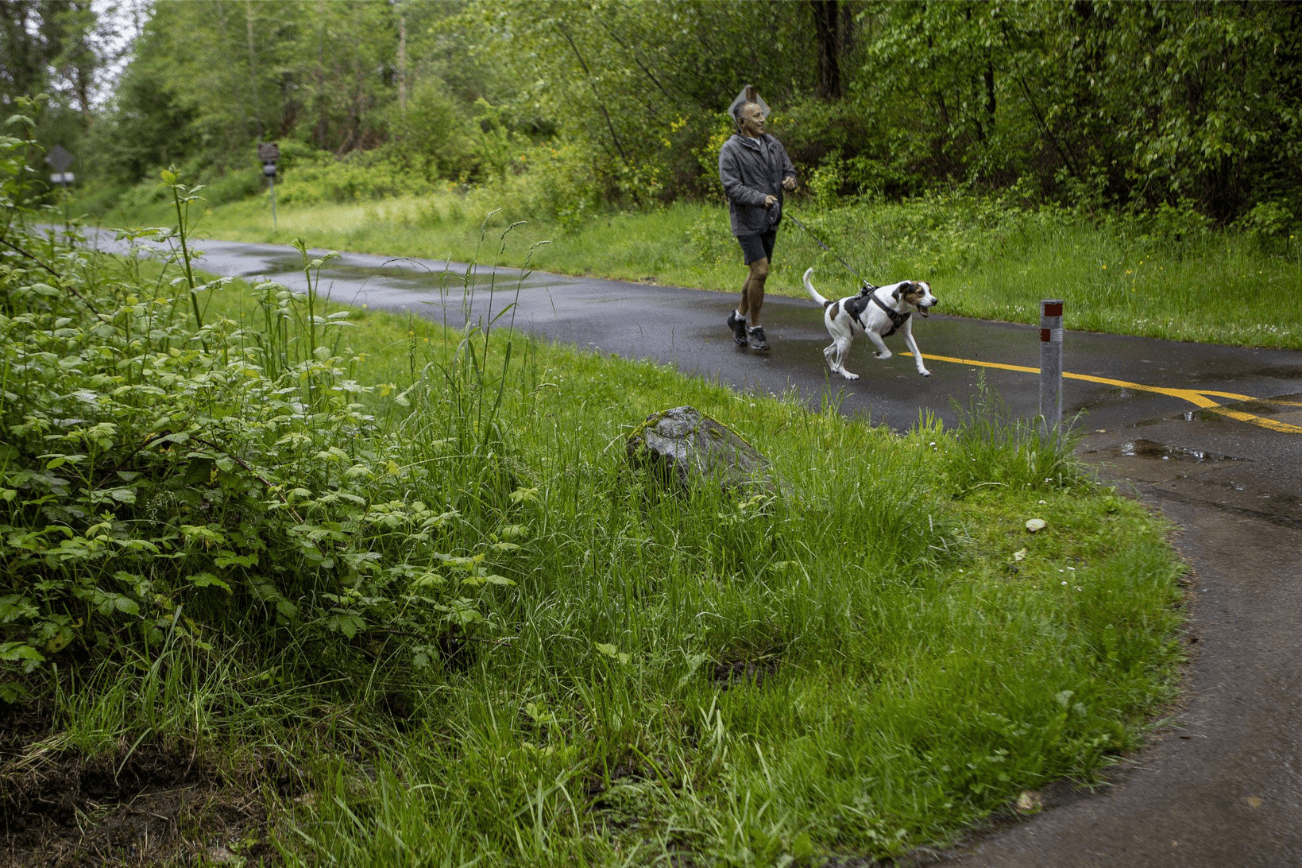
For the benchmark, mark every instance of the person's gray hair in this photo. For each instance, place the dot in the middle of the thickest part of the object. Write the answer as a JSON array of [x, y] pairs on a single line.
[[737, 117], [748, 96]]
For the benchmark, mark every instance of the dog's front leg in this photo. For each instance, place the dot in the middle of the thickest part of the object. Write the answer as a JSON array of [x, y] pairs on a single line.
[[913, 348], [882, 351]]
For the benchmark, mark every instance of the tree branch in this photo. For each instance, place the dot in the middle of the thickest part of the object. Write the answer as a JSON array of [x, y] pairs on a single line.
[[610, 126]]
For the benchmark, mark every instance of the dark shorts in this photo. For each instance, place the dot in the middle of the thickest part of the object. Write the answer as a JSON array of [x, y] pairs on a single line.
[[756, 247]]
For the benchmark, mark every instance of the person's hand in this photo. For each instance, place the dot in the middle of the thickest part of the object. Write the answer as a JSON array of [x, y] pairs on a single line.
[[770, 200], [789, 183]]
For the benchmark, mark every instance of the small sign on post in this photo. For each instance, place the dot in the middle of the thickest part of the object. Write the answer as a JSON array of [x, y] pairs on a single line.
[[1051, 365], [269, 153], [61, 161]]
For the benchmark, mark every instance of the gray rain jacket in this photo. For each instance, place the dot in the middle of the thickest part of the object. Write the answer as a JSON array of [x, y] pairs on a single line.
[[748, 177]]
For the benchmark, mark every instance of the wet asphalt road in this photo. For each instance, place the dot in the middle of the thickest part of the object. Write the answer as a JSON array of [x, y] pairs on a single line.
[[1222, 784]]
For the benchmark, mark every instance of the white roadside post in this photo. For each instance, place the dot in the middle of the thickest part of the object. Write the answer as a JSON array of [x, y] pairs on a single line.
[[1051, 365]]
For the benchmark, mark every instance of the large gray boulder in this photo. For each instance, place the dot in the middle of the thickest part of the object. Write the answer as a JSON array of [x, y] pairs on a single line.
[[683, 446]]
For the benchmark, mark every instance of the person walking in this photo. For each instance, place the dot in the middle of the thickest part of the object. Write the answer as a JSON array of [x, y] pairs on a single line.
[[755, 171]]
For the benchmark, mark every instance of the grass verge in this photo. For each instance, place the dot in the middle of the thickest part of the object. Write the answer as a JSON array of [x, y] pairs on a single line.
[[1165, 276]]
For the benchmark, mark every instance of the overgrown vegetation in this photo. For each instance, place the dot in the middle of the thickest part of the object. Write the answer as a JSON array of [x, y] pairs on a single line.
[[1095, 104], [397, 587]]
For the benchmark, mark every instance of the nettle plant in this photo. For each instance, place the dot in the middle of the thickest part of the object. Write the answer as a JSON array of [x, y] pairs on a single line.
[[165, 479]]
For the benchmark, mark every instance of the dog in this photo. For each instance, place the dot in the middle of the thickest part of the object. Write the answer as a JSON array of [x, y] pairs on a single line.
[[877, 312]]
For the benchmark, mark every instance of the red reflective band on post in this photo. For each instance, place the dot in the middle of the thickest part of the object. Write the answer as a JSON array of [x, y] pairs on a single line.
[[1044, 335], [1054, 309]]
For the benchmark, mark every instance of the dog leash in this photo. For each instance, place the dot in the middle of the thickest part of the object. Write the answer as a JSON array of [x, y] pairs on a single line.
[[810, 232]]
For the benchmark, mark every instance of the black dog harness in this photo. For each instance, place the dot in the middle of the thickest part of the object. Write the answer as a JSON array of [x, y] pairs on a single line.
[[897, 319], [855, 307]]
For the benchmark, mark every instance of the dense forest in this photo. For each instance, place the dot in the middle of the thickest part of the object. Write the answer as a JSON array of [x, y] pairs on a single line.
[[1118, 105]]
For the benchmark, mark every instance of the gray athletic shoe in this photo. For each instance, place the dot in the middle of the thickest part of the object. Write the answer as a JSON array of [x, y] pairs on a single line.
[[757, 341], [738, 326]]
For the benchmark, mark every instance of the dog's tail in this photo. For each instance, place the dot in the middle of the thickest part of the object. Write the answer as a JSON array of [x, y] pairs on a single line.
[[813, 293]]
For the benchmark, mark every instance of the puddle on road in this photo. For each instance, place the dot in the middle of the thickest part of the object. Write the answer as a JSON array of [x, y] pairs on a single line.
[[411, 278], [1144, 448], [1253, 491]]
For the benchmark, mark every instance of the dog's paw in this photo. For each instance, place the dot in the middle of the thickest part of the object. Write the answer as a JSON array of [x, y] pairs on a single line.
[[925, 372], [885, 354], [848, 375]]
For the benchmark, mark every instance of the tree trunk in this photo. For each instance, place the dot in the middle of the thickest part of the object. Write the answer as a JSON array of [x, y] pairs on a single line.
[[322, 127], [827, 34], [255, 109], [402, 63]]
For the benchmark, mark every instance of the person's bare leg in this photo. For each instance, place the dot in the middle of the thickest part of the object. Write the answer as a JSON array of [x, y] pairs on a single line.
[[752, 297]]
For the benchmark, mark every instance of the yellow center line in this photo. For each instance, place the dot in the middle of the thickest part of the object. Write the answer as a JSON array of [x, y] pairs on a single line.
[[1200, 399]]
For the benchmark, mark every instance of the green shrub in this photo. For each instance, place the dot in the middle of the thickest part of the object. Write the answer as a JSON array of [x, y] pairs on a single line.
[[1269, 224], [554, 180], [361, 176], [235, 185], [168, 476]]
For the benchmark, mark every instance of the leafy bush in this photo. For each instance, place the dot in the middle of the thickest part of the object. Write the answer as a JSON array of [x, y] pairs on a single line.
[[359, 177], [168, 479], [435, 131], [1268, 223], [921, 236], [557, 180]]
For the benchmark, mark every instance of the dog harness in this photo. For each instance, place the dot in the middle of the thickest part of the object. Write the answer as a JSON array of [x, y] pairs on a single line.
[[897, 319], [855, 308]]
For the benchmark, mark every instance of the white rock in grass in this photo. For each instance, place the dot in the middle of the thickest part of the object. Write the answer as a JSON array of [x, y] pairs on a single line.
[[1029, 802], [1036, 524]]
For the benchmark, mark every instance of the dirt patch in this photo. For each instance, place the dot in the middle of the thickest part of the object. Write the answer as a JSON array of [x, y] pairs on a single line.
[[151, 805]]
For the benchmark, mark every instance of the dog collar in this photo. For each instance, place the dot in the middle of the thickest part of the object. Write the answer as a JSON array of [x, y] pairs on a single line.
[[897, 319]]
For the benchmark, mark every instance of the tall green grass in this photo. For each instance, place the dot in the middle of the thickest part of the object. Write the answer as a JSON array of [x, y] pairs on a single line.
[[1166, 275]]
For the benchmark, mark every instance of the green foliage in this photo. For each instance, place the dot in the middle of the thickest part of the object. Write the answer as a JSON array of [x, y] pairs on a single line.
[[148, 128], [435, 128], [639, 86], [163, 479], [1100, 104], [362, 176], [56, 52]]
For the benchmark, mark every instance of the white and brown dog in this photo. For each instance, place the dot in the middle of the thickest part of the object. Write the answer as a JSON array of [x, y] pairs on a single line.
[[878, 312]]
